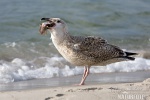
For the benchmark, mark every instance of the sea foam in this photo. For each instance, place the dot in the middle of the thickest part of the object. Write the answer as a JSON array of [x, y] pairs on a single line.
[[19, 69]]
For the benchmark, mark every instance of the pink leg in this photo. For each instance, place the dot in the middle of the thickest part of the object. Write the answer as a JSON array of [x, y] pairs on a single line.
[[86, 73], [85, 69]]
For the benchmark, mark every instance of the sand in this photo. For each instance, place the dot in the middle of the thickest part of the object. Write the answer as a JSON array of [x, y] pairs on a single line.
[[121, 91]]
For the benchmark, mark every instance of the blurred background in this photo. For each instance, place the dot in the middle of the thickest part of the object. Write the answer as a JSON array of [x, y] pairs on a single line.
[[125, 23]]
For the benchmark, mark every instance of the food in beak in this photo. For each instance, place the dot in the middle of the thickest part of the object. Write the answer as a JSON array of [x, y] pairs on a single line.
[[43, 27]]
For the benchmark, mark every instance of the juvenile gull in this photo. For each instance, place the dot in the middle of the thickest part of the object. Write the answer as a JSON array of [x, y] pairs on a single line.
[[82, 51]]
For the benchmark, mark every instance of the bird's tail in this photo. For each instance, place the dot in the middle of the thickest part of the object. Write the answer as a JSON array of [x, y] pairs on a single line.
[[128, 54]]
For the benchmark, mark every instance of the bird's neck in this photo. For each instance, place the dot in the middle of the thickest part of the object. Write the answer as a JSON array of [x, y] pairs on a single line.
[[59, 36]]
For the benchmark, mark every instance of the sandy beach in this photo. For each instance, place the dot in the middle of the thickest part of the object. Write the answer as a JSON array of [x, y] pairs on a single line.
[[121, 91]]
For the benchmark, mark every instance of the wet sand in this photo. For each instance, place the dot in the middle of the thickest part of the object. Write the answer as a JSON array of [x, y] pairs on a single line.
[[122, 91]]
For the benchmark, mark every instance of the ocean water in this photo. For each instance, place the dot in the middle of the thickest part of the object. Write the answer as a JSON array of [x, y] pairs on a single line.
[[26, 55]]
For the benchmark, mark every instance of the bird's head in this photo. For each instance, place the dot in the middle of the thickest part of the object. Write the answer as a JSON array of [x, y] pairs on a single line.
[[55, 25]]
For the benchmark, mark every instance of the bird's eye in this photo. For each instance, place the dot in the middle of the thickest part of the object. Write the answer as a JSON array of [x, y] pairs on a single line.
[[58, 21]]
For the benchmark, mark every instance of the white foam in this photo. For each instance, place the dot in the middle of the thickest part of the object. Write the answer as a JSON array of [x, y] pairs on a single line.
[[18, 69], [10, 44]]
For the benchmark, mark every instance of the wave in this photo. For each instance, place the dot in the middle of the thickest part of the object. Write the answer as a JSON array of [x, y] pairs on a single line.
[[19, 69]]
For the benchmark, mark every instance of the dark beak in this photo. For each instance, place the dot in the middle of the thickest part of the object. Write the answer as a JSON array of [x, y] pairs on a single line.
[[46, 19], [50, 25]]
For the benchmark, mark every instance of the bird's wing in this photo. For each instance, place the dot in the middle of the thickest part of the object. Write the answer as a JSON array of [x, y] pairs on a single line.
[[97, 47]]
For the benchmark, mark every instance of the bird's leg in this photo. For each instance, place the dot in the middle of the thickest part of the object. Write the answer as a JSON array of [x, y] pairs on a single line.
[[85, 74], [85, 69]]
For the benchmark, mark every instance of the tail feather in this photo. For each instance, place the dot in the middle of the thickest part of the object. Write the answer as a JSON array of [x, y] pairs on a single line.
[[130, 58], [128, 54]]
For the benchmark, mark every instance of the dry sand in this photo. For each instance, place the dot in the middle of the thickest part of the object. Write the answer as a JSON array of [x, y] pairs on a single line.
[[122, 91]]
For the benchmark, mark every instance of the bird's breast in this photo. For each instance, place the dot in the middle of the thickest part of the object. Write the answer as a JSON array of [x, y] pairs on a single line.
[[69, 54]]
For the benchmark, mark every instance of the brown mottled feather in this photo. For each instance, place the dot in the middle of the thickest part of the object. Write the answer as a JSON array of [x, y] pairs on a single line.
[[97, 47], [92, 49]]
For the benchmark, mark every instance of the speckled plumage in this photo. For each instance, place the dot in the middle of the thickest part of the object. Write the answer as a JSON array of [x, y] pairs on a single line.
[[82, 51], [89, 50]]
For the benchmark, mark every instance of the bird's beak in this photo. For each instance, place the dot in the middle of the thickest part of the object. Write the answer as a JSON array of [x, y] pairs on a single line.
[[45, 19], [46, 25], [51, 24]]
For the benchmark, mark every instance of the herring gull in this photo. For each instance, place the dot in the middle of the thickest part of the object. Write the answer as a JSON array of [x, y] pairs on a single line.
[[82, 51]]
